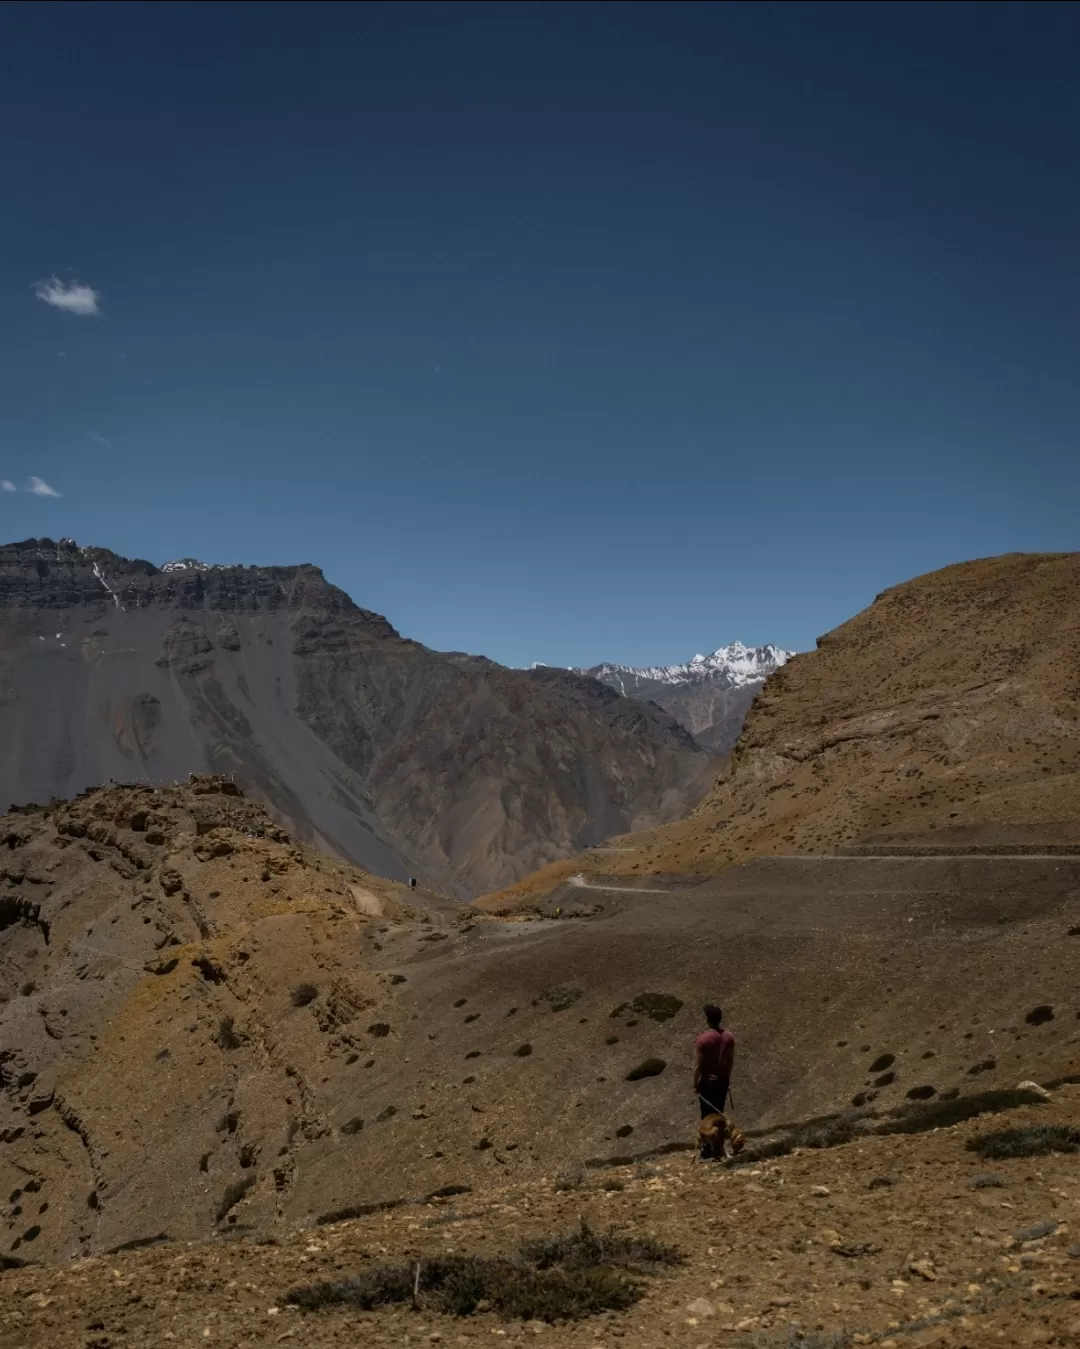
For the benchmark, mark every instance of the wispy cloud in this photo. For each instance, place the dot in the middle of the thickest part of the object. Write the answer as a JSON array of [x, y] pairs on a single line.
[[7, 486], [98, 438], [38, 487], [72, 296]]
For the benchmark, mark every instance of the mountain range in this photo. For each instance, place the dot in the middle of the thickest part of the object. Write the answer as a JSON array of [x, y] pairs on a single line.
[[407, 761], [709, 695]]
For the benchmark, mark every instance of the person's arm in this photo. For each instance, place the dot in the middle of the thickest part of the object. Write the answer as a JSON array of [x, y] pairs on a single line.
[[698, 1059]]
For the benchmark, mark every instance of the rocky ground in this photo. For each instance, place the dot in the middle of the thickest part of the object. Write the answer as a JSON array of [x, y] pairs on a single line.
[[890, 1241]]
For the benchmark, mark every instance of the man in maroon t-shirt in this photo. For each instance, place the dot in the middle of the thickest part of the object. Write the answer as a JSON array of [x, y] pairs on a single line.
[[714, 1054]]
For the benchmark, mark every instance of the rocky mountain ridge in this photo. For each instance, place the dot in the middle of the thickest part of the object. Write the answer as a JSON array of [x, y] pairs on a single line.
[[405, 760], [710, 694]]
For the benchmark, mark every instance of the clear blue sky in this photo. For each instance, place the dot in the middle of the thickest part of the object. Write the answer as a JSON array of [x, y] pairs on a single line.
[[558, 332]]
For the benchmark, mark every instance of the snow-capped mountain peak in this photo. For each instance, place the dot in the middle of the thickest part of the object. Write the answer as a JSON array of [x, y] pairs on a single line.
[[733, 665]]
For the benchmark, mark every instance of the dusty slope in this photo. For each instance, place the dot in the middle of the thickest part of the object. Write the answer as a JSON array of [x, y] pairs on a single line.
[[884, 1241], [952, 703], [441, 1050], [404, 760]]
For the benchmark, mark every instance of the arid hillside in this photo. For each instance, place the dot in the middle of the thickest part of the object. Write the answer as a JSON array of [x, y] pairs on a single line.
[[911, 1241], [403, 760], [949, 710], [204, 1025]]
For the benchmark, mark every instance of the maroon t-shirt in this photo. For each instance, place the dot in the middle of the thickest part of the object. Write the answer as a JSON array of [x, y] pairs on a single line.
[[717, 1050]]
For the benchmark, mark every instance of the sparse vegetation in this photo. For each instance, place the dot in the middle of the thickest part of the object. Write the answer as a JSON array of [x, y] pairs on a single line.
[[1038, 1016], [658, 1006], [303, 994], [342, 1215], [1036, 1140], [988, 1181], [232, 1196], [565, 1277], [227, 1036], [559, 999], [943, 1113], [569, 1180], [352, 1126]]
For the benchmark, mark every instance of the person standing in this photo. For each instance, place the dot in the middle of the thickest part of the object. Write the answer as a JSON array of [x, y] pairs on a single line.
[[714, 1055]]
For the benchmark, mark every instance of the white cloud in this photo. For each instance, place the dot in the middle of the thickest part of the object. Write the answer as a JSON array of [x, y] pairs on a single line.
[[98, 438], [6, 486], [39, 488], [74, 297]]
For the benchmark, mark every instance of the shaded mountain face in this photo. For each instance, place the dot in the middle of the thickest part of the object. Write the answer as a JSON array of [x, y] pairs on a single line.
[[709, 695], [404, 760], [949, 708]]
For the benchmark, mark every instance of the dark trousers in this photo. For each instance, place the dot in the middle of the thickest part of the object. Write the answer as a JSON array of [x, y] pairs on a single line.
[[712, 1095]]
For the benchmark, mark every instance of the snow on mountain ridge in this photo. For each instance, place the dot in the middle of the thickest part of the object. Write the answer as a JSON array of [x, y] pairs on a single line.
[[735, 663]]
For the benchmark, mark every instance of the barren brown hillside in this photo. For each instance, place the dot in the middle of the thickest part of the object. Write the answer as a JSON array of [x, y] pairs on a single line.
[[205, 1026], [949, 709]]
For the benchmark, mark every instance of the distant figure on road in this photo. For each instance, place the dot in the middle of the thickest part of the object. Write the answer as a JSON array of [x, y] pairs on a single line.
[[714, 1055]]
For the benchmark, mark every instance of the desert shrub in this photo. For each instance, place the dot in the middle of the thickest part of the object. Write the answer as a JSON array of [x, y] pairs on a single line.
[[828, 1133], [942, 1114], [523, 1051], [658, 1006], [988, 1181], [779, 1146], [560, 999], [613, 1184], [458, 1284], [233, 1194], [226, 1036], [882, 1062], [569, 1180], [137, 1243], [583, 1247], [1036, 1140], [352, 1126], [304, 993], [1038, 1016], [341, 1215], [560, 1278]]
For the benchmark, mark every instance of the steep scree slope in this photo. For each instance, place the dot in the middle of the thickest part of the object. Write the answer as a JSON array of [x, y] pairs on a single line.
[[404, 760], [949, 711]]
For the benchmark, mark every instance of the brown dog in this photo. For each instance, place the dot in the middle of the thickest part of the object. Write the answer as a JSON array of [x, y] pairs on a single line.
[[713, 1131]]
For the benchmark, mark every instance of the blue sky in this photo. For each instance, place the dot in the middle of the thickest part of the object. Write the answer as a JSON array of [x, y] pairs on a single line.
[[557, 332]]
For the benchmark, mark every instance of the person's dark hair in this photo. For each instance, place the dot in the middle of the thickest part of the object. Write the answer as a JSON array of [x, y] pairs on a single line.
[[713, 1014]]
